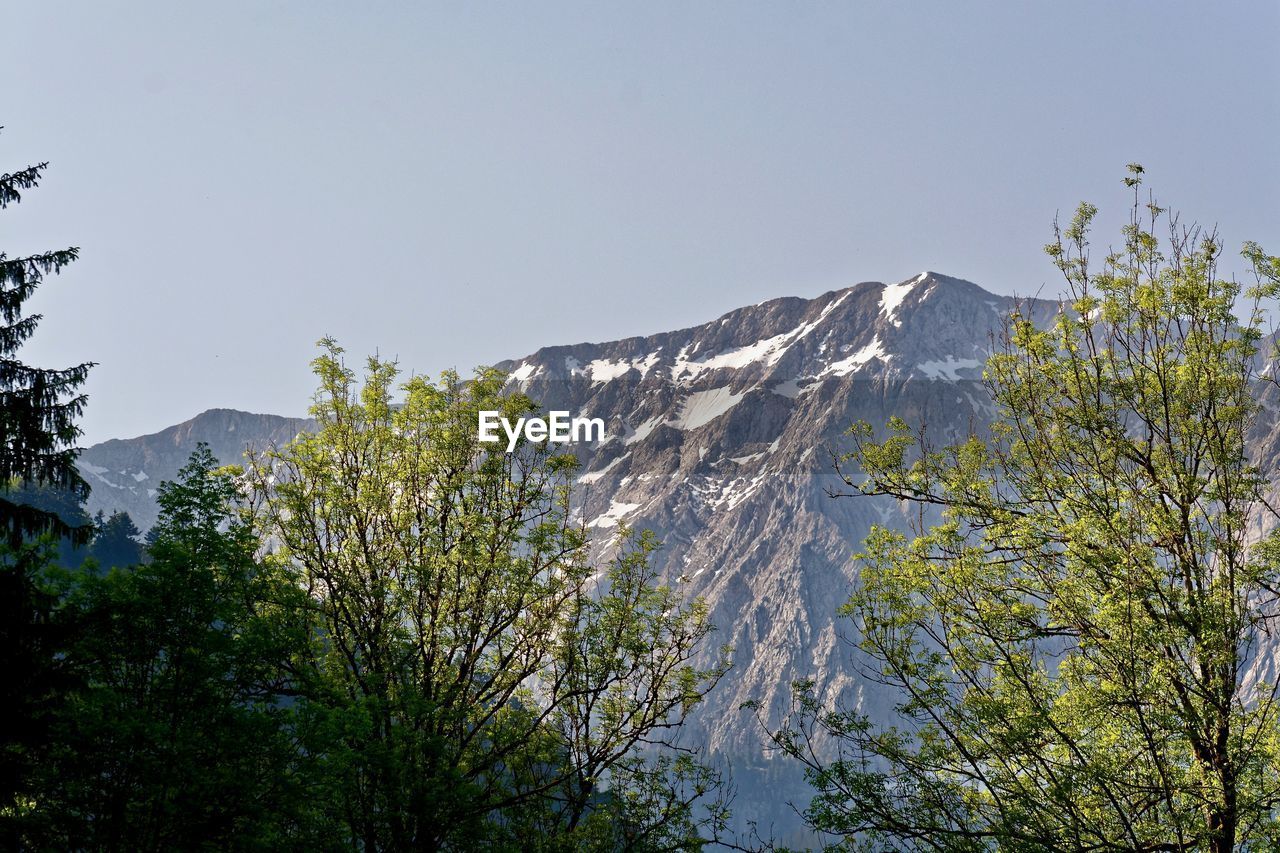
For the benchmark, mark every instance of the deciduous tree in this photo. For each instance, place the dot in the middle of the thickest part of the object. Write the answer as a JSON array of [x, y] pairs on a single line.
[[482, 684], [183, 734], [1072, 641]]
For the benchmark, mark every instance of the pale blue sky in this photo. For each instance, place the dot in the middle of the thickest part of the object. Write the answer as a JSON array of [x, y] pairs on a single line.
[[460, 183]]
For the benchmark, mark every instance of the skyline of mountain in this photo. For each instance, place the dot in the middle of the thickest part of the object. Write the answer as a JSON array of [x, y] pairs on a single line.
[[719, 438]]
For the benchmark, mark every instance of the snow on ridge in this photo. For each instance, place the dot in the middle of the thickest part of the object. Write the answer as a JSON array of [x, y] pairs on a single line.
[[893, 294], [603, 370], [524, 372], [948, 369], [768, 351], [646, 364]]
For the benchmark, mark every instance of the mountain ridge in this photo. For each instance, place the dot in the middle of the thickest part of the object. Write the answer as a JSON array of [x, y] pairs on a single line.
[[125, 473], [720, 439]]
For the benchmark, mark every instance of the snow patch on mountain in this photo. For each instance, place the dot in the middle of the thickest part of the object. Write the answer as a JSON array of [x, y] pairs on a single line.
[[642, 431], [603, 370], [614, 514], [845, 366], [767, 351], [703, 407], [592, 476], [893, 294], [948, 369], [789, 389], [98, 472], [722, 495], [525, 372]]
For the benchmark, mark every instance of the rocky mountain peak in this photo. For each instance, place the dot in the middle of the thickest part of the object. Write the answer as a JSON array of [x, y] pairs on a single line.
[[125, 473], [719, 438]]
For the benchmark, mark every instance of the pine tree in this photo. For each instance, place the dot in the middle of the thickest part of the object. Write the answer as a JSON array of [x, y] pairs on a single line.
[[38, 410], [115, 545], [38, 407]]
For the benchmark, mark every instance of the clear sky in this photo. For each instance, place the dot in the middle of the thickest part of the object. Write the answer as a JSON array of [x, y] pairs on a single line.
[[459, 183]]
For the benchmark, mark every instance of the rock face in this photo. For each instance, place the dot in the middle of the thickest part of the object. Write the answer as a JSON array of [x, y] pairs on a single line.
[[125, 473], [720, 438]]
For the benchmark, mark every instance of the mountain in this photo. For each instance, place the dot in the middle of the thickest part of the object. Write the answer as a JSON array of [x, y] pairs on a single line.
[[125, 473], [720, 438]]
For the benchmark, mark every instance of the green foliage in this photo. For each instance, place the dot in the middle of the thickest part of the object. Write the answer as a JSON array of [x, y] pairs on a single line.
[[34, 638], [67, 505], [115, 542], [470, 687], [38, 407], [1072, 640], [399, 643], [422, 658], [180, 736]]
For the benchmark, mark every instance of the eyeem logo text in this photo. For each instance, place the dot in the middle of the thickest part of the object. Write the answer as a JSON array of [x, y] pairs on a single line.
[[559, 428]]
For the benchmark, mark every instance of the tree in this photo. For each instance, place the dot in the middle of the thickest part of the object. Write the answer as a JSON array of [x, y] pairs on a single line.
[[474, 687], [38, 407], [115, 541], [67, 505], [1072, 641], [182, 735], [38, 411]]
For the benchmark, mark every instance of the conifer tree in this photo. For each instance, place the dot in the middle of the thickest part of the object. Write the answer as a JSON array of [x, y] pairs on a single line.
[[115, 544], [38, 411], [38, 406]]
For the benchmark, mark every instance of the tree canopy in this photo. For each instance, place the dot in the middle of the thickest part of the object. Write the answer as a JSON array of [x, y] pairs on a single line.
[[479, 681], [40, 490], [1072, 640], [38, 406]]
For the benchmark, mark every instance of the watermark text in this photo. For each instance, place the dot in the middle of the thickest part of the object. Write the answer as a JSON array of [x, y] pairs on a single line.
[[557, 428]]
